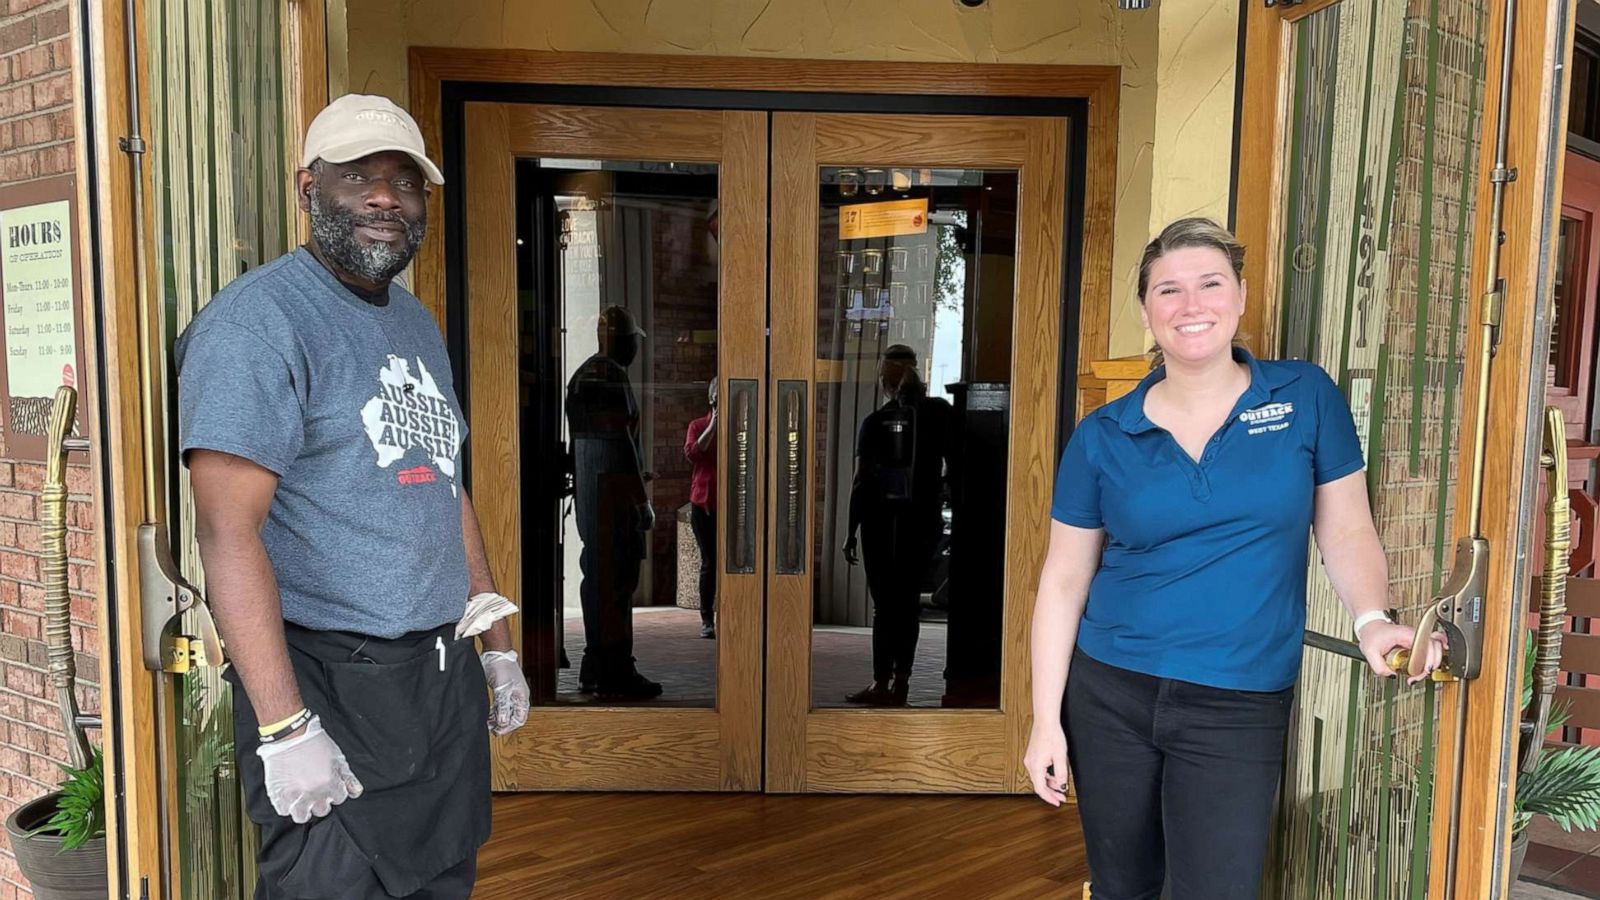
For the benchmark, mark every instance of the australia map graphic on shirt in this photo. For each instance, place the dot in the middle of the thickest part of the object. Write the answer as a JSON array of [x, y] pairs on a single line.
[[411, 413]]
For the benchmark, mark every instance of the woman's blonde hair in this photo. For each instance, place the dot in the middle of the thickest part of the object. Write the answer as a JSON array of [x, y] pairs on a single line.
[[1196, 231]]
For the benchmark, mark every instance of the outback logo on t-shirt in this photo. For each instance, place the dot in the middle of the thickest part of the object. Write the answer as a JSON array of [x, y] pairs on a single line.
[[1271, 417], [411, 412]]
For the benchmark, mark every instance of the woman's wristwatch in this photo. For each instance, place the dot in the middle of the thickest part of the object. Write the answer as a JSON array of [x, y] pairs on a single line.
[[1367, 618]]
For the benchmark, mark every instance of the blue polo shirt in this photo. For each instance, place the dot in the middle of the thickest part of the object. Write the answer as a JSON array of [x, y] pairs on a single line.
[[1203, 573]]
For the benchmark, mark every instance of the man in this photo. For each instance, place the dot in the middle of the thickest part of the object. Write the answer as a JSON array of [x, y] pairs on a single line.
[[323, 439], [700, 448], [613, 508]]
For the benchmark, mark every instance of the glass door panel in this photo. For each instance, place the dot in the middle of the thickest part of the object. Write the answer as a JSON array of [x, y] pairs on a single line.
[[915, 322], [1385, 110], [222, 185], [615, 263], [915, 350]]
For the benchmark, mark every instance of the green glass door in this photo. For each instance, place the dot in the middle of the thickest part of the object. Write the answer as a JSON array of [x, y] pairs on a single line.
[[221, 189]]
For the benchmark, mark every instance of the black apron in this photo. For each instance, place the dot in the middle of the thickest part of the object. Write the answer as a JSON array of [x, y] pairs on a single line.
[[417, 738]]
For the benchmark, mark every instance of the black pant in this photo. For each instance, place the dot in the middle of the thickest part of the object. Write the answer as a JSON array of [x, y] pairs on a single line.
[[610, 563], [1173, 779], [704, 523], [897, 551], [409, 715]]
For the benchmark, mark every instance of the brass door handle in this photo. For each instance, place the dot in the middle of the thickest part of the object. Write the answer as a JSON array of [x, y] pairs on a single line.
[[57, 602], [743, 466], [1553, 587], [791, 536]]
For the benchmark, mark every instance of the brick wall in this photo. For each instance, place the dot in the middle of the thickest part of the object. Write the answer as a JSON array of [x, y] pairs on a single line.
[[36, 141], [685, 302]]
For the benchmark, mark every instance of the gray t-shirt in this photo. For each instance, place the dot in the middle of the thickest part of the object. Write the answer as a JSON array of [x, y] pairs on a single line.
[[352, 405]]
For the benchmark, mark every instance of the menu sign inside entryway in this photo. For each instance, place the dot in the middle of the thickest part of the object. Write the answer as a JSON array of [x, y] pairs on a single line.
[[41, 314]]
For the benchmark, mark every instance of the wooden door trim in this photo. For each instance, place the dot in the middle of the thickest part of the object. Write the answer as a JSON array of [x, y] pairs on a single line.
[[133, 842], [616, 748], [1514, 413], [1100, 86], [1258, 218], [927, 750]]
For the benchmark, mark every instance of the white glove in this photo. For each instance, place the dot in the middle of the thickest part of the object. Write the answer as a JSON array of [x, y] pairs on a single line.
[[307, 775], [483, 610], [511, 692]]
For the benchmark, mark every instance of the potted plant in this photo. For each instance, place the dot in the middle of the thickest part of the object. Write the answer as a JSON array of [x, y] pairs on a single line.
[[1564, 784], [60, 838]]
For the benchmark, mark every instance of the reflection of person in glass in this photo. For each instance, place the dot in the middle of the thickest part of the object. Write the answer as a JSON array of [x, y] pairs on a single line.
[[613, 511], [700, 447], [895, 503]]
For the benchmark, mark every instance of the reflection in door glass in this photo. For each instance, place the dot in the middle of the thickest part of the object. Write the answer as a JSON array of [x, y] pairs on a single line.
[[618, 319], [915, 305]]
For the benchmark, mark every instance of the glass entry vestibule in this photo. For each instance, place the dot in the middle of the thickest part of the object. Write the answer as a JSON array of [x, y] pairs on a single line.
[[874, 304]]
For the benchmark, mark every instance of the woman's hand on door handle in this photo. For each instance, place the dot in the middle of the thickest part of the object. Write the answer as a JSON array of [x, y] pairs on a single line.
[[1379, 641]]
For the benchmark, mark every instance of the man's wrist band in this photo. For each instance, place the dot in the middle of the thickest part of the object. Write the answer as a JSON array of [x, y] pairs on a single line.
[[277, 731]]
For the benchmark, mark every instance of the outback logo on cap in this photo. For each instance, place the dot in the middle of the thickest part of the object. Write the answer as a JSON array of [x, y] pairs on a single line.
[[378, 115]]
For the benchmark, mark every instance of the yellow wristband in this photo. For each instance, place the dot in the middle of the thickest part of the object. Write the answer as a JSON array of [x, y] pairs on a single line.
[[278, 726]]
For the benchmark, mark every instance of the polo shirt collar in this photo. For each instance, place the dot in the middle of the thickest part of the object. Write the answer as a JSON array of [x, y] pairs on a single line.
[[1263, 381]]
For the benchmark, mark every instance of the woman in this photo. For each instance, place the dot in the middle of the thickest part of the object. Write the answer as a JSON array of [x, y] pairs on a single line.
[[1174, 587], [895, 504], [700, 448]]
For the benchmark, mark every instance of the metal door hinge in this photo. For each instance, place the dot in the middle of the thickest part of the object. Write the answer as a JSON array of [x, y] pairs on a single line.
[[1494, 305], [164, 596], [131, 144]]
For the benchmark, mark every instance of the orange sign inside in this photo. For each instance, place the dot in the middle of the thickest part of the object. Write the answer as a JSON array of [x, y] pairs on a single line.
[[886, 219]]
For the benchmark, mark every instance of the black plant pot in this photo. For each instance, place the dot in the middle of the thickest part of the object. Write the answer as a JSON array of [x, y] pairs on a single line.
[[76, 875], [1519, 852]]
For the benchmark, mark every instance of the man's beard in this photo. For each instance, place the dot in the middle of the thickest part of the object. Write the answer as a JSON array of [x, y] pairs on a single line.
[[334, 229]]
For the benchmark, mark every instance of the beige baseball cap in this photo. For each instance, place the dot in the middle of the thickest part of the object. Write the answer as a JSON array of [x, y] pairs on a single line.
[[358, 125]]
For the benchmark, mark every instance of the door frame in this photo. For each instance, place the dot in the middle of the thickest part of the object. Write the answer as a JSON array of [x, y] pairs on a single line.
[[447, 83], [1541, 43], [573, 747], [812, 748], [442, 78]]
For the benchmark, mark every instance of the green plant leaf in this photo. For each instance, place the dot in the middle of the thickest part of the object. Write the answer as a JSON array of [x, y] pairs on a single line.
[[1565, 786], [80, 814]]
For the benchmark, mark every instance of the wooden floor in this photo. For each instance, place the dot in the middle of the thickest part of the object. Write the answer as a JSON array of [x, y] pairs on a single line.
[[771, 846]]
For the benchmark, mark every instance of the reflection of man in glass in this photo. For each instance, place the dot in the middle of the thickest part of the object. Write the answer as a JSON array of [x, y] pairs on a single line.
[[895, 503], [613, 511], [700, 446]]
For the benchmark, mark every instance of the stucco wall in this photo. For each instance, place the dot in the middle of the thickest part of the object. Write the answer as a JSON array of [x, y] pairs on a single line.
[[1175, 135]]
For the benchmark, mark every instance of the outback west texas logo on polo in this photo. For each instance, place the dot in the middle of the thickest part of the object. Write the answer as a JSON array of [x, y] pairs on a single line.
[[1270, 417]]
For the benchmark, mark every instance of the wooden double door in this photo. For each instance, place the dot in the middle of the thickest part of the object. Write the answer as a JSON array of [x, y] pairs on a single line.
[[875, 303]]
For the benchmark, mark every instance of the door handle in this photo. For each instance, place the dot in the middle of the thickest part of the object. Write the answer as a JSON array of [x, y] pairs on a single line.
[[1552, 589], [57, 602], [742, 468], [791, 537], [1457, 610], [164, 596]]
